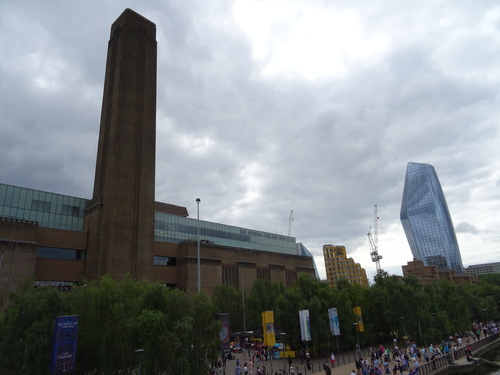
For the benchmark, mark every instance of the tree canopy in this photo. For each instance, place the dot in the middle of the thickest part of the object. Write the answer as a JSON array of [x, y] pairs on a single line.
[[179, 331]]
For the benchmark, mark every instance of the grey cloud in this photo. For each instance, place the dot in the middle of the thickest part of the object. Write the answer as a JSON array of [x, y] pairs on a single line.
[[464, 227], [329, 148]]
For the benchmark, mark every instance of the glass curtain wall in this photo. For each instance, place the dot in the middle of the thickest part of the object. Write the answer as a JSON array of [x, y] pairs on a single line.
[[426, 220], [50, 210]]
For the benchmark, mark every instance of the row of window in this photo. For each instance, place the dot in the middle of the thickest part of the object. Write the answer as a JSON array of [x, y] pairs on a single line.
[[50, 210], [65, 286], [164, 261], [72, 254], [346, 270], [173, 228], [58, 211], [59, 253], [342, 268]]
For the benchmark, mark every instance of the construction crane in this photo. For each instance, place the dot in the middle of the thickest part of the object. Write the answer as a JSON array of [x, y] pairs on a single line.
[[290, 220], [373, 240]]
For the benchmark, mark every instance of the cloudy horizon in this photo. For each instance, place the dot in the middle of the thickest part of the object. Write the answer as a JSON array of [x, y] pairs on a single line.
[[264, 107]]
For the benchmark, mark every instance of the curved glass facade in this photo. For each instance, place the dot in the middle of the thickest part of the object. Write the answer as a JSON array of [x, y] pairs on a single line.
[[427, 221]]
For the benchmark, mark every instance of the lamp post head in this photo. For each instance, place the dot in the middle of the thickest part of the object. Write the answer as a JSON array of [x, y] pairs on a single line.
[[198, 200]]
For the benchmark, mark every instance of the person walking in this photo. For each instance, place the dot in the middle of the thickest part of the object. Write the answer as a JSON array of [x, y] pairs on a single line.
[[326, 367]]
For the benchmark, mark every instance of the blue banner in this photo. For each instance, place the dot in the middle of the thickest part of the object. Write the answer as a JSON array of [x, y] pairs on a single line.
[[64, 345], [334, 321], [305, 325]]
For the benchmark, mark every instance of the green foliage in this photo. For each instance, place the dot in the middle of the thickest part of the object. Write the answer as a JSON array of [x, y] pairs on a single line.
[[492, 279], [262, 297], [180, 335], [26, 329], [229, 300], [178, 331]]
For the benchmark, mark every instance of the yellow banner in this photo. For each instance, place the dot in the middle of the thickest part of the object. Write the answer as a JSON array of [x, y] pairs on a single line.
[[268, 328], [359, 326]]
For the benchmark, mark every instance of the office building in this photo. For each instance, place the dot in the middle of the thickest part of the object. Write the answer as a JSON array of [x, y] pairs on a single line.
[[427, 221], [121, 230], [483, 269], [338, 266]]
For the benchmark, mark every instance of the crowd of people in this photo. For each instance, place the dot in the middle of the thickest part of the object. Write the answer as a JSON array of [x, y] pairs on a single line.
[[255, 362], [384, 361], [392, 360]]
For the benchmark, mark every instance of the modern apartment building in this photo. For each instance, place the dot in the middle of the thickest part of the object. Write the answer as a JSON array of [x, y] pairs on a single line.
[[427, 222], [339, 266]]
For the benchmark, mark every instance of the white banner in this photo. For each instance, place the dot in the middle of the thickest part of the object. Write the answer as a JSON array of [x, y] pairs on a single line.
[[305, 325], [334, 321]]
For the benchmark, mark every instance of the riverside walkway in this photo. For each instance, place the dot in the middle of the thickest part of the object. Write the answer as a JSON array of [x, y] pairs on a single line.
[[345, 362]]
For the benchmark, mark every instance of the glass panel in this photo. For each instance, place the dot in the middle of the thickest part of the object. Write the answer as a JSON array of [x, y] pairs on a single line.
[[36, 203], [60, 253], [171, 228]]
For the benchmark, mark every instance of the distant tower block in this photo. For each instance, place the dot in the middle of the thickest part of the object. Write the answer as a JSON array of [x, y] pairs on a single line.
[[427, 221], [120, 216]]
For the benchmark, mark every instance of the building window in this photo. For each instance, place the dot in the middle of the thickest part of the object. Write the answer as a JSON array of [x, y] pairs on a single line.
[[62, 286], [164, 261], [70, 210], [60, 253], [38, 205]]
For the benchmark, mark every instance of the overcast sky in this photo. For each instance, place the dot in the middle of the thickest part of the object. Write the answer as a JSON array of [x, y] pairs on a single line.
[[265, 107]]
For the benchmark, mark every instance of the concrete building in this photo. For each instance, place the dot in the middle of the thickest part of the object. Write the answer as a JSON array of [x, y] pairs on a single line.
[[58, 239], [428, 274], [339, 266], [483, 269]]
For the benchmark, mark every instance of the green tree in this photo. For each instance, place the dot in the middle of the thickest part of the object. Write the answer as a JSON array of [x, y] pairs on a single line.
[[26, 329], [261, 297], [227, 299]]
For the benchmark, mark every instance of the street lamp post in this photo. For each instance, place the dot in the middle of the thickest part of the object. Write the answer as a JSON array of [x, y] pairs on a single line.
[[358, 348], [240, 272], [283, 335], [139, 353], [198, 200]]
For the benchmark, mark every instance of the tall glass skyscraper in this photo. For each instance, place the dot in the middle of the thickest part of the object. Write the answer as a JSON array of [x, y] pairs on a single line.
[[427, 221]]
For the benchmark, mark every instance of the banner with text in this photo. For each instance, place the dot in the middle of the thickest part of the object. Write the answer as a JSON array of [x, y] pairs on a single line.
[[334, 321], [268, 324], [225, 332], [305, 326], [359, 325], [63, 359]]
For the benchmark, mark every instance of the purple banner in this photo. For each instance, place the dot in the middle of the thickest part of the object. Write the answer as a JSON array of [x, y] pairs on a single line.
[[64, 345], [225, 332]]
